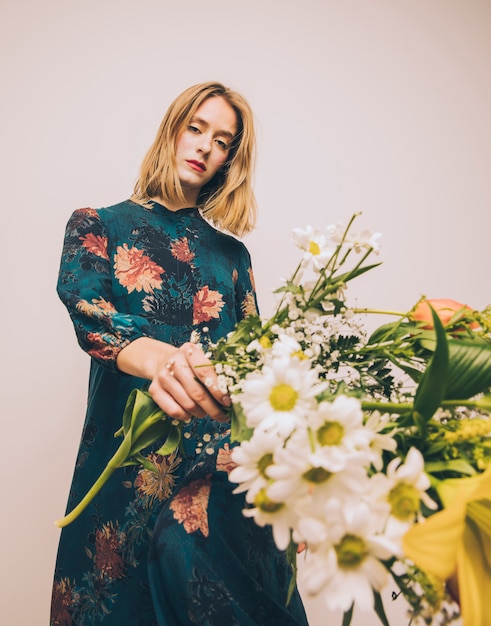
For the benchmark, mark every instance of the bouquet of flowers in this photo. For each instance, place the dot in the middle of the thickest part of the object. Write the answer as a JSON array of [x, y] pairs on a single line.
[[372, 453]]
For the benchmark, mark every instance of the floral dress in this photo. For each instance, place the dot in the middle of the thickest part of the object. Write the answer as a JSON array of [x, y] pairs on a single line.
[[171, 546]]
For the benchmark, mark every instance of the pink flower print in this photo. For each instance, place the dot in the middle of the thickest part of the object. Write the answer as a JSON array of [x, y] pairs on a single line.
[[207, 305], [136, 271]]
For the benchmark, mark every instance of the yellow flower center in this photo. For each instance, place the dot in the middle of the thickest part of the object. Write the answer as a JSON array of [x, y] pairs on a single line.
[[300, 355], [404, 501], [265, 504], [264, 462], [317, 475], [351, 552], [314, 248], [283, 397], [265, 342], [330, 434]]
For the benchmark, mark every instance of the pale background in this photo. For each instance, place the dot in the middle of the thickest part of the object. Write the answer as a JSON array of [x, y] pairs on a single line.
[[379, 106]]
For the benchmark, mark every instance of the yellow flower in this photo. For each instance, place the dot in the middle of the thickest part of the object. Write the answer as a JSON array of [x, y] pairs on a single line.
[[458, 540]]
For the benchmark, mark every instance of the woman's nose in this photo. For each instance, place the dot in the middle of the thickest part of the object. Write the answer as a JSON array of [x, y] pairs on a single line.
[[204, 144]]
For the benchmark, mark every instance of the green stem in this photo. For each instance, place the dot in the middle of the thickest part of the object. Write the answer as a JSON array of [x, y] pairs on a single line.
[[116, 462], [380, 312], [404, 407], [387, 407]]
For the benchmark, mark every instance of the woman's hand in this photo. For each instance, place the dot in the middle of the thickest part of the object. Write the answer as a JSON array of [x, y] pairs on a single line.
[[183, 381], [185, 385]]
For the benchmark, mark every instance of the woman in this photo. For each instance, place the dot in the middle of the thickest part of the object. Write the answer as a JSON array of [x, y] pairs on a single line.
[[143, 280]]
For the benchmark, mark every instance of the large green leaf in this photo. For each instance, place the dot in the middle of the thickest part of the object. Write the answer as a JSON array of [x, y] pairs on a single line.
[[431, 388], [469, 371]]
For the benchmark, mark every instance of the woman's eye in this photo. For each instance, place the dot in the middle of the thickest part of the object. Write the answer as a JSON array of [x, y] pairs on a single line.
[[193, 129], [222, 144]]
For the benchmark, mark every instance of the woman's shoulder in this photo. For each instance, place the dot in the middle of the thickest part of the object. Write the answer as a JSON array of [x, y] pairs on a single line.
[[118, 210], [105, 211], [230, 242]]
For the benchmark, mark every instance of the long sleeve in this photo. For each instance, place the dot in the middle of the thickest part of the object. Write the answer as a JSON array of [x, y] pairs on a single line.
[[85, 286]]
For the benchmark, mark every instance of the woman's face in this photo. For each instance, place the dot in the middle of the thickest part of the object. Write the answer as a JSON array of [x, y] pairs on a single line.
[[204, 145]]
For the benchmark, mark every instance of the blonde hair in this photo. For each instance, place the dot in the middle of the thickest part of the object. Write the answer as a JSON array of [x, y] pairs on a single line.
[[227, 200]]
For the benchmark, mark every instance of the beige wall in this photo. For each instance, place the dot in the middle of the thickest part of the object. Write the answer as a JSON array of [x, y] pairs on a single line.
[[380, 106]]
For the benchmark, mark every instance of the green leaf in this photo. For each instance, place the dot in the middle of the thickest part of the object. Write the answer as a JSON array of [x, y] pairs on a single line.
[[393, 331], [469, 368], [455, 465], [291, 557], [239, 430], [172, 442], [348, 616], [349, 275], [431, 388], [379, 608]]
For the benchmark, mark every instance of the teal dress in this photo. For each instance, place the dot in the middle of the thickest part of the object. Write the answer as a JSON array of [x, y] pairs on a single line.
[[171, 546]]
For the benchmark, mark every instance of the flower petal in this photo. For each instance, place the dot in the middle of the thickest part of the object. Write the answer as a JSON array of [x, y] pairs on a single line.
[[433, 544]]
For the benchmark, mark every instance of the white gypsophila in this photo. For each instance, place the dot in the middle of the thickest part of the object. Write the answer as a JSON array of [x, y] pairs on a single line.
[[277, 397], [252, 457], [314, 244], [224, 383], [346, 567]]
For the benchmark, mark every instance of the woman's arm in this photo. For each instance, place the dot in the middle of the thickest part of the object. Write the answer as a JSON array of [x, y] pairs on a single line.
[[184, 383]]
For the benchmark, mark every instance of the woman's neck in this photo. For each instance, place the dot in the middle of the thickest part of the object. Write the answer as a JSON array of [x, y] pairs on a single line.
[[176, 206]]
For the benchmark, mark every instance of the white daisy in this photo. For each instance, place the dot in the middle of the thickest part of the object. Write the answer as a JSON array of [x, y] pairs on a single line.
[[339, 434], [380, 441], [314, 243], [347, 567], [404, 486], [253, 457], [295, 475], [266, 511], [278, 397]]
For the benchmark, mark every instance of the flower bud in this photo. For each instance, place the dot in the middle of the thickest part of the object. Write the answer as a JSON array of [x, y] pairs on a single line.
[[444, 308]]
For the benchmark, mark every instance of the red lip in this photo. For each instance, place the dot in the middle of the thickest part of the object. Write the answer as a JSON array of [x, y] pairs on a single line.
[[197, 165]]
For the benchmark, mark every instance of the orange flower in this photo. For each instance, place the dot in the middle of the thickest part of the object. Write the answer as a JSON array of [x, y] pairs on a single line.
[[207, 305], [105, 305], [159, 483], [99, 308], [62, 599], [224, 460], [107, 559], [248, 306], [251, 278], [102, 348], [180, 250], [190, 506], [96, 245], [136, 270], [444, 308]]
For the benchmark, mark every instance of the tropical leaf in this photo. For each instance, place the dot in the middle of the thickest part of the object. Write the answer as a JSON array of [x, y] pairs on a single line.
[[431, 388], [469, 371]]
